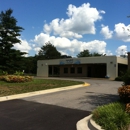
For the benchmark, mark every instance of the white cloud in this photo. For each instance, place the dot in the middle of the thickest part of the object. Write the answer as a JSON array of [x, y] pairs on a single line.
[[109, 53], [81, 20], [37, 49], [95, 46], [41, 39], [122, 32], [102, 11], [106, 32], [70, 47], [63, 53], [23, 47], [121, 50]]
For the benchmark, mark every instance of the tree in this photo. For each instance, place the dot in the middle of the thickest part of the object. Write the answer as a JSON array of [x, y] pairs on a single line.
[[30, 64], [65, 56], [48, 51], [9, 33], [95, 54], [86, 53]]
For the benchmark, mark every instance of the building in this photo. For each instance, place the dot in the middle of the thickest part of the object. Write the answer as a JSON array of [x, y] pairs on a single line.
[[99, 67]]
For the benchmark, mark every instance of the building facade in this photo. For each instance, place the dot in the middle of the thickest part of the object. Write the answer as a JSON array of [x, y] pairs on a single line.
[[98, 67]]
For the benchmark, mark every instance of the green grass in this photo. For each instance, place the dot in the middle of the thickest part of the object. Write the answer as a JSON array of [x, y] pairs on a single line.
[[112, 116], [35, 85]]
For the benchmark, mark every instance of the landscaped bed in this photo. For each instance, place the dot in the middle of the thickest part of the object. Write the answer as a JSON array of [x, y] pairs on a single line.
[[112, 116], [7, 88], [116, 116]]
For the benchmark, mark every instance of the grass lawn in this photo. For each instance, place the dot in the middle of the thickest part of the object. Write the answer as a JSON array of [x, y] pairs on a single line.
[[35, 85]]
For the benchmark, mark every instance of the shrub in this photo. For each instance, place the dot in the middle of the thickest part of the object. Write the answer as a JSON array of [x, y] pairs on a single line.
[[126, 78], [1, 72], [118, 78], [17, 79], [128, 108], [19, 73], [124, 93], [1, 77], [112, 116]]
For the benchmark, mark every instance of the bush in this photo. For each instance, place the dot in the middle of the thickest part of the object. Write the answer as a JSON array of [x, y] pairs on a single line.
[[19, 73], [128, 108], [126, 78], [3, 72], [1, 77], [112, 116], [118, 78], [17, 79], [124, 93]]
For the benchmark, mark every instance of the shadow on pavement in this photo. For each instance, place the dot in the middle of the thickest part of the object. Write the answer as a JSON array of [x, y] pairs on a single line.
[[26, 115], [98, 99]]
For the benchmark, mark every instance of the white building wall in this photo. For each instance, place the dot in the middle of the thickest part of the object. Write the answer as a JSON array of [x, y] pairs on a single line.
[[42, 69], [112, 67], [110, 61]]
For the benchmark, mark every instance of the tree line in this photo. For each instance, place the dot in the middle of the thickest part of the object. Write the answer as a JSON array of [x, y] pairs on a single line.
[[12, 60]]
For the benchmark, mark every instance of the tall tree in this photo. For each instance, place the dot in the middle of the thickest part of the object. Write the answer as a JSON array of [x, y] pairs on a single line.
[[49, 51], [9, 33], [30, 64]]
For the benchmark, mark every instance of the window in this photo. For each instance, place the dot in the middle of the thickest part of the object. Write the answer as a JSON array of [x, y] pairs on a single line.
[[65, 70], [72, 70], [56, 70], [79, 70]]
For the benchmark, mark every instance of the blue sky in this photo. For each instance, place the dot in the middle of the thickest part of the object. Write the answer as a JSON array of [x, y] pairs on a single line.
[[72, 26]]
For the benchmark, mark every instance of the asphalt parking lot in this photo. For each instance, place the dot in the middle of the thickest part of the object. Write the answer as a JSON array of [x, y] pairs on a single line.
[[57, 111], [25, 115]]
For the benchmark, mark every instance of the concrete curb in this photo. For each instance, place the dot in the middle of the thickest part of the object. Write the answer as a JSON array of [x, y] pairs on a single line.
[[35, 93], [87, 123], [83, 123]]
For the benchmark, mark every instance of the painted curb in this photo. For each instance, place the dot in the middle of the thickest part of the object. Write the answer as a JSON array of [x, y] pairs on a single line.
[[86, 84], [35, 93]]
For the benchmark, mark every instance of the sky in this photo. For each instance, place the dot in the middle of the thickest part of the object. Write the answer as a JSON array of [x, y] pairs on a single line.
[[72, 26]]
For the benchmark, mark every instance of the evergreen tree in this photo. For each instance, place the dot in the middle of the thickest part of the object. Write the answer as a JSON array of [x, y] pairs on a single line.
[[9, 33], [48, 51]]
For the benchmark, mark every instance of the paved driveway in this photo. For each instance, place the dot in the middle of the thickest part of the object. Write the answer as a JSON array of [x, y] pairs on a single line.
[[59, 110]]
